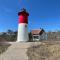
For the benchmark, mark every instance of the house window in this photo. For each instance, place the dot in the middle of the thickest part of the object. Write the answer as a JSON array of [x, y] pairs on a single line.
[[36, 37]]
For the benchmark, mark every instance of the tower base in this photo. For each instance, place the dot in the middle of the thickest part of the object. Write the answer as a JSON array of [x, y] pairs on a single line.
[[22, 33]]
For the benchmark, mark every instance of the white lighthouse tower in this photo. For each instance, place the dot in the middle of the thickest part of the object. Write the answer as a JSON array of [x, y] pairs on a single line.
[[23, 26]]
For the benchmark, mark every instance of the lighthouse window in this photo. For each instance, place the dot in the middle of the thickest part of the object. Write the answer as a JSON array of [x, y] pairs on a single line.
[[25, 25]]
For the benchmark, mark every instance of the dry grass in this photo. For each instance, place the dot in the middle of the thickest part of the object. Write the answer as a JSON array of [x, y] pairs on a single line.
[[3, 48], [47, 50]]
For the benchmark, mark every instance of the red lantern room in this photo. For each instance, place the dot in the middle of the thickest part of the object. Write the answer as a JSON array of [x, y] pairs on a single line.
[[23, 16]]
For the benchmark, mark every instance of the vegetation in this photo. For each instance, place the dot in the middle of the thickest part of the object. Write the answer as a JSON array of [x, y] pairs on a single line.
[[3, 48], [30, 37], [9, 35], [48, 50]]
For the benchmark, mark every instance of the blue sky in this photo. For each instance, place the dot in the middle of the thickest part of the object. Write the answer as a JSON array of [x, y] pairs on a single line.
[[43, 14]]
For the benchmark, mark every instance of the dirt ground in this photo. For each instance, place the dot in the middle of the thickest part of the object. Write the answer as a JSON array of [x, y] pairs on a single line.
[[45, 50]]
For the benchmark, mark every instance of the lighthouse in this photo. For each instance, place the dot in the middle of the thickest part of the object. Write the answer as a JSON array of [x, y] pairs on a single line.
[[23, 26]]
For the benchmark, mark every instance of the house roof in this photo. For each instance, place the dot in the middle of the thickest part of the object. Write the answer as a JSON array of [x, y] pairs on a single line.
[[40, 31]]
